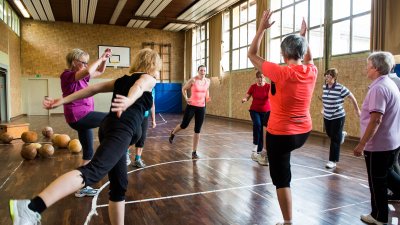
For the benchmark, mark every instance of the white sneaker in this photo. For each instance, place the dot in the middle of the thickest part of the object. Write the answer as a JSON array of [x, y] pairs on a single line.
[[86, 191], [367, 218], [262, 159], [330, 165], [128, 159], [21, 214], [254, 156], [344, 134], [139, 164]]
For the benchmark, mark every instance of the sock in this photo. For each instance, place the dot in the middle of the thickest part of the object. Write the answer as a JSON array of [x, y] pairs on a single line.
[[37, 205], [137, 157], [287, 222]]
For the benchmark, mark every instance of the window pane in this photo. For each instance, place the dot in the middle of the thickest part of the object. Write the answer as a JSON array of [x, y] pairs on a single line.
[[287, 23], [203, 33], [235, 60], [275, 30], [198, 35], [226, 21], [243, 58], [243, 36], [198, 52], [9, 19], [5, 11], [226, 42], [1, 9], [252, 10], [341, 9], [361, 35], [275, 50], [341, 37], [286, 2], [202, 50], [301, 12], [317, 15], [235, 17], [317, 42], [243, 13], [251, 32], [225, 61], [360, 6], [235, 38], [276, 4]]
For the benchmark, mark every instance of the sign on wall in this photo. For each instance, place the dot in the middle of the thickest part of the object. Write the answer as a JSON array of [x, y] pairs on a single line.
[[120, 56]]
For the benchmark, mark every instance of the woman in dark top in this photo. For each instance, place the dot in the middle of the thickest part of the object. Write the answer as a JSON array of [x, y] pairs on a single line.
[[131, 98]]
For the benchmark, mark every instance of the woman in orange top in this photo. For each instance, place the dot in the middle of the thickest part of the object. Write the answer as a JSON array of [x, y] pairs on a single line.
[[291, 90], [196, 106]]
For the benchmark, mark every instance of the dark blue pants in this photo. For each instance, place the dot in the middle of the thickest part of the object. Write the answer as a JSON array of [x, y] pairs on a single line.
[[259, 120], [85, 126], [334, 129]]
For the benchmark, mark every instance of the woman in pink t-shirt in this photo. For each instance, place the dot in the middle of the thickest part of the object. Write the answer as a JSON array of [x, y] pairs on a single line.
[[259, 113], [289, 124], [196, 106]]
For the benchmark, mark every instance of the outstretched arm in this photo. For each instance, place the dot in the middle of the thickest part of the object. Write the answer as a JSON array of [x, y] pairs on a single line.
[[107, 86], [255, 59], [308, 56], [121, 103]]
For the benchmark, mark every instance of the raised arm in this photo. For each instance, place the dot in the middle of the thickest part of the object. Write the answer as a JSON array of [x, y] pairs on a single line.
[[121, 103], [91, 90], [308, 56], [95, 69], [255, 59]]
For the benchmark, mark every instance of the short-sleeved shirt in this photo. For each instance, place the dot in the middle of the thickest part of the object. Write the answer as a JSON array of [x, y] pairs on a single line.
[[259, 94], [383, 97], [77, 109], [333, 99], [290, 105]]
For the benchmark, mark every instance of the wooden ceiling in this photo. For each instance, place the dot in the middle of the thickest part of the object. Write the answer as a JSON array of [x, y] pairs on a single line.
[[172, 15]]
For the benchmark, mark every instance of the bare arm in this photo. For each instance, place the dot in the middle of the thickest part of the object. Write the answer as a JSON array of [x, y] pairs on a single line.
[[153, 115], [354, 101], [245, 99], [91, 90], [308, 56], [186, 87], [121, 103], [95, 69], [255, 59], [370, 131]]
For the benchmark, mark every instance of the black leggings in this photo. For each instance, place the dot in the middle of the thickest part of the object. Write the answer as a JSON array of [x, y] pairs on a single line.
[[279, 148], [140, 142], [110, 156], [198, 113]]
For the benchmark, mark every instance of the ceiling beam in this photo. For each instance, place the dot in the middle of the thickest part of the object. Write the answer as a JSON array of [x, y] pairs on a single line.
[[164, 19], [117, 11]]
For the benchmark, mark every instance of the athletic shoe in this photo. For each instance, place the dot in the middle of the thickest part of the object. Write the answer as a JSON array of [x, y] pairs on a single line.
[[171, 137], [330, 165], [254, 156], [21, 214], [282, 223], [344, 134], [262, 160], [367, 218], [86, 191], [194, 155], [128, 159], [139, 163]]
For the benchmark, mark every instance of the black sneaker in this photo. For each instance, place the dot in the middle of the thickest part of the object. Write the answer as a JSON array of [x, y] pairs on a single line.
[[194, 155], [171, 137]]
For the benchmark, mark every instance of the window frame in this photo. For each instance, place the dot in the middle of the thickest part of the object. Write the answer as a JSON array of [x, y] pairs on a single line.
[[197, 41]]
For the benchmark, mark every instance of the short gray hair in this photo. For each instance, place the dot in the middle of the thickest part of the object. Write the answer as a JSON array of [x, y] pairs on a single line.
[[75, 54], [294, 47], [383, 62]]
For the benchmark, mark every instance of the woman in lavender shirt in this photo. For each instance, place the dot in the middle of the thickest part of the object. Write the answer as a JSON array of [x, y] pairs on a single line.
[[80, 114], [380, 126]]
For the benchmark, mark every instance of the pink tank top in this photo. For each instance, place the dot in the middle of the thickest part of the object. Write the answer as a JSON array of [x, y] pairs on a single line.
[[198, 92]]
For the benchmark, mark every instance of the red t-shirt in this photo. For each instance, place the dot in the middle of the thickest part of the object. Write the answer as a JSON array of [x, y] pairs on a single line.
[[259, 94], [290, 106]]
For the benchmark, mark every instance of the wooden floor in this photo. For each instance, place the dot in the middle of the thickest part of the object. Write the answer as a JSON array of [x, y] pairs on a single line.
[[224, 187]]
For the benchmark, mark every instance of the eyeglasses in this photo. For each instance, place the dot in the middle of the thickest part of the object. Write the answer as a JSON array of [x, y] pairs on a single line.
[[84, 63]]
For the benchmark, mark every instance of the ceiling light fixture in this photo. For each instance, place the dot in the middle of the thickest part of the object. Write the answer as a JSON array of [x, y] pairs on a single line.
[[21, 8]]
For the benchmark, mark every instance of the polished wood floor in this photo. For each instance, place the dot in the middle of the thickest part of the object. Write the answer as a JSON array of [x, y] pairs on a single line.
[[224, 187]]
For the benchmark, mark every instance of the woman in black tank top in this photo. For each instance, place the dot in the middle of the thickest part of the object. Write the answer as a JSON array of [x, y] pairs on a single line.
[[131, 98]]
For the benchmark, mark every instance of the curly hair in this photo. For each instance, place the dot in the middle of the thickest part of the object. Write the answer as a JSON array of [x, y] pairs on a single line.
[[146, 60]]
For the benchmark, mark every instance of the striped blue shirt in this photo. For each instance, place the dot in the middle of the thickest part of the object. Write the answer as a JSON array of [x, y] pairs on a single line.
[[333, 99]]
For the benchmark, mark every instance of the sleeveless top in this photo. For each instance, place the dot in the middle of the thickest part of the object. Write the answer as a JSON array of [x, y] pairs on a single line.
[[199, 92], [134, 113]]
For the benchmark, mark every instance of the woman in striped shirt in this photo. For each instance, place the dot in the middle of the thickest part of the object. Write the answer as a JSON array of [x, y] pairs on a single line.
[[333, 95]]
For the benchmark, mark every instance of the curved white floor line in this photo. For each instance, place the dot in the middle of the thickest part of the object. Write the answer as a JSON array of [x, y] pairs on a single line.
[[11, 174], [95, 198]]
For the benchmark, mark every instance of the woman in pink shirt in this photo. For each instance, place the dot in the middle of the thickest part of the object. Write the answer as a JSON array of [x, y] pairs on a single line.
[[290, 123], [196, 106], [259, 113]]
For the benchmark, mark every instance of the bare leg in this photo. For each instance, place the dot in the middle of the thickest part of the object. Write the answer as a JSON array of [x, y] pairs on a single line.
[[116, 212], [285, 202], [61, 187], [139, 151], [177, 129], [196, 138]]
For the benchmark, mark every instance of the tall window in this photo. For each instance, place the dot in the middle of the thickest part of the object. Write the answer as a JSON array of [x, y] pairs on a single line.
[[239, 29], [200, 52], [1, 9], [350, 22], [288, 15], [9, 16]]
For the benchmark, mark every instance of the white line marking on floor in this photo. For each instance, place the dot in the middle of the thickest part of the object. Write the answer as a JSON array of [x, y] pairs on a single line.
[[190, 135], [11, 174], [391, 208], [345, 206], [364, 185], [395, 221]]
